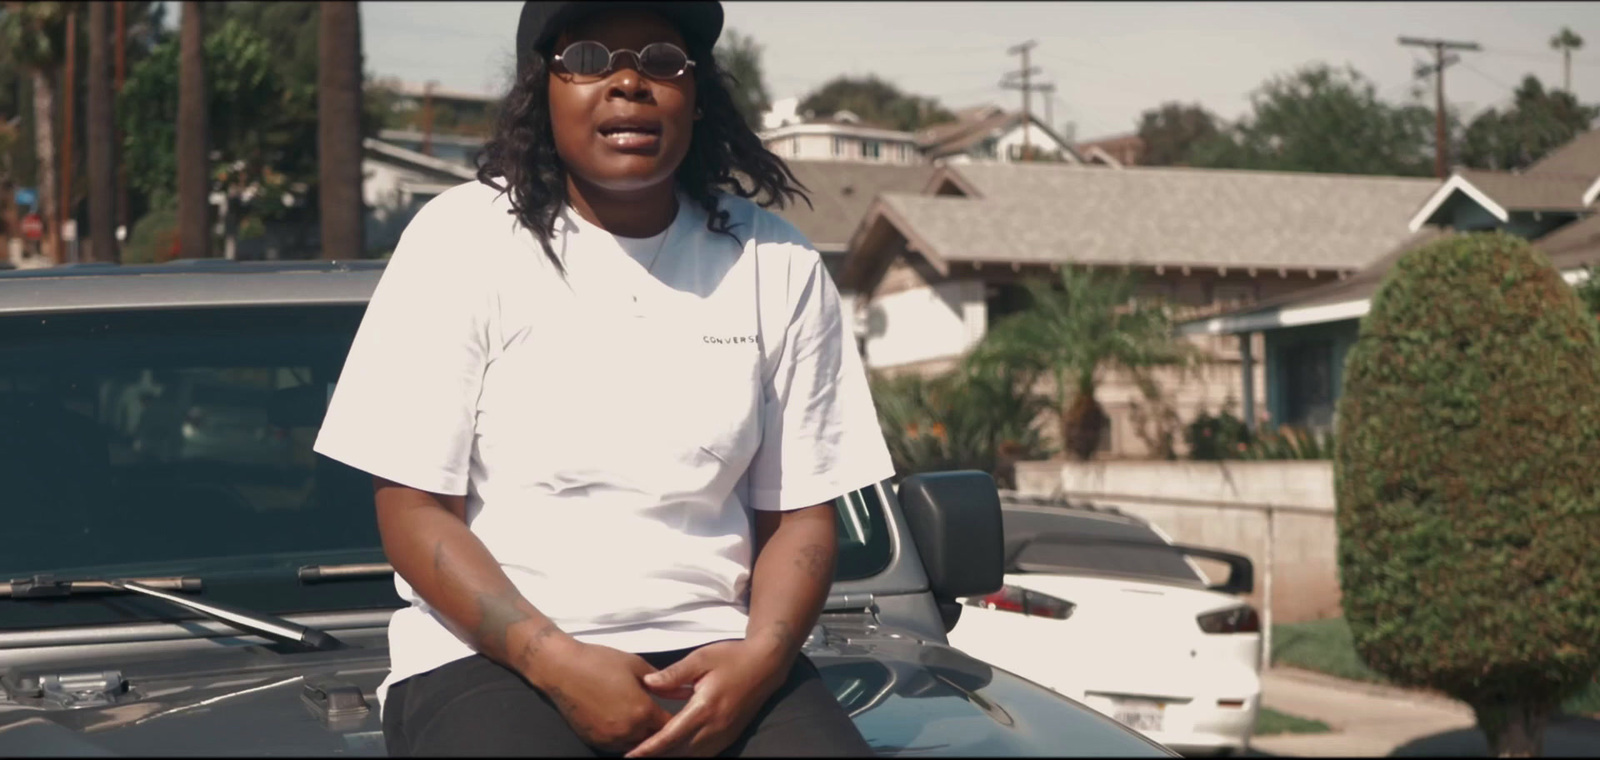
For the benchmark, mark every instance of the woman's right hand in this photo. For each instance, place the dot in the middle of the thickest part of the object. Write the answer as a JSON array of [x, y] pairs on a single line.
[[600, 691]]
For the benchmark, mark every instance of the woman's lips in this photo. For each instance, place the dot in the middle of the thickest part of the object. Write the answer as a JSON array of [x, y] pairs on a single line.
[[631, 139]]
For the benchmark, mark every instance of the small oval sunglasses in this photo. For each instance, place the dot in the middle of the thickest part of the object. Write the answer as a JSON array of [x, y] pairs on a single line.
[[658, 60]]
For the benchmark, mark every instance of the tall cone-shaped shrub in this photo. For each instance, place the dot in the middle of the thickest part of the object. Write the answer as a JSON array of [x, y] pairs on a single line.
[[1467, 469]]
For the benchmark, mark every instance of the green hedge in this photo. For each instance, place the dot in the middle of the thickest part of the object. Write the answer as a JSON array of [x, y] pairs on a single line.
[[1467, 480]]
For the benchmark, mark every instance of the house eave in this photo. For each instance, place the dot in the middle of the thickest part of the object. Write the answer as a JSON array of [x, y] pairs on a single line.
[[1299, 316]]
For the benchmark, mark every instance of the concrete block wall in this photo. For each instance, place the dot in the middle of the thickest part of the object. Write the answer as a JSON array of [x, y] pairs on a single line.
[[1305, 554]]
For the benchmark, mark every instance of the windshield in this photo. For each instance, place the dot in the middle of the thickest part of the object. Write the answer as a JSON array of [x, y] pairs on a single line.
[[178, 442]]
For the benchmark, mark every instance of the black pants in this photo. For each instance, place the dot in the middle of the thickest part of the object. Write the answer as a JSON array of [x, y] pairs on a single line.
[[477, 707]]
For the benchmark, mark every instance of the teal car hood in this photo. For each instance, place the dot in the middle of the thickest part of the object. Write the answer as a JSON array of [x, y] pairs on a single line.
[[909, 698]]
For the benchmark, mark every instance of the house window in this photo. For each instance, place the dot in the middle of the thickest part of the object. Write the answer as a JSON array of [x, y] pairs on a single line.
[[838, 146], [1308, 384], [871, 149]]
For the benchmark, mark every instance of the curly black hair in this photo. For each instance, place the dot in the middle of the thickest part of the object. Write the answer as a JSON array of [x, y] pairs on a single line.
[[724, 153]]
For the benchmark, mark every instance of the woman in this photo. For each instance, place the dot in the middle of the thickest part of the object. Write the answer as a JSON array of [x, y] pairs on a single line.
[[606, 406]]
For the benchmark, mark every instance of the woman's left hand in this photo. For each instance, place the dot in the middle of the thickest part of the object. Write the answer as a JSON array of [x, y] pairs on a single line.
[[725, 684]]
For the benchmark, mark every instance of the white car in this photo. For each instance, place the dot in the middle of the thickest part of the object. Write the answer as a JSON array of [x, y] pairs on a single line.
[[1102, 607]]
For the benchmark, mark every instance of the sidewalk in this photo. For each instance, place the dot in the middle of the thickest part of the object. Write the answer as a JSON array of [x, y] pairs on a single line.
[[1372, 720]]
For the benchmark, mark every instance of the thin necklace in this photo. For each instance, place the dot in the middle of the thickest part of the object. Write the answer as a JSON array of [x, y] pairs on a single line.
[[650, 268]]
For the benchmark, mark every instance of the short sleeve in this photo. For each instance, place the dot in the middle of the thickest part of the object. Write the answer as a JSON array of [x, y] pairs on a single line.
[[820, 436], [405, 403]]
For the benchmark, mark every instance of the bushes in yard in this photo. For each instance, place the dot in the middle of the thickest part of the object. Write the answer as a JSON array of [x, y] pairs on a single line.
[[1219, 436], [974, 418], [1467, 486]]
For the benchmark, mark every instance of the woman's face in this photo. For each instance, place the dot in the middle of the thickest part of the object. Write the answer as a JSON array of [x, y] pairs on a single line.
[[622, 131]]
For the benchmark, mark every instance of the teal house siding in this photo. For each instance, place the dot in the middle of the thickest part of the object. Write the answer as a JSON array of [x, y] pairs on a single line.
[[1292, 398]]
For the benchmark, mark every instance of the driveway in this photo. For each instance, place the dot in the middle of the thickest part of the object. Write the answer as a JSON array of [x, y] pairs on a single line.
[[1370, 720]]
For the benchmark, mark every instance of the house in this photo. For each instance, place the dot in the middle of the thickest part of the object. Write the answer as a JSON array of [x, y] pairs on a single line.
[[434, 110], [1305, 335], [990, 133], [841, 137], [931, 269], [459, 149], [840, 194], [1116, 151], [396, 182]]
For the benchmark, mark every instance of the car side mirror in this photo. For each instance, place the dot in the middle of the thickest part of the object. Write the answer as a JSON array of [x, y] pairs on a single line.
[[954, 518]]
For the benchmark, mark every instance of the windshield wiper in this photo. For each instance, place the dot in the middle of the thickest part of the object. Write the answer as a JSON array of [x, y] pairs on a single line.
[[44, 586]]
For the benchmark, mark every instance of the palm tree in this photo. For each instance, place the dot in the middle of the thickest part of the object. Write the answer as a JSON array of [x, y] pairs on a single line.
[[1566, 41], [1076, 334], [193, 151], [339, 129], [33, 36], [102, 138]]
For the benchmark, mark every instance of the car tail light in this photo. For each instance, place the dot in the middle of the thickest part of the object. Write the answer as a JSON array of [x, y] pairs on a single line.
[[1241, 619], [1030, 603]]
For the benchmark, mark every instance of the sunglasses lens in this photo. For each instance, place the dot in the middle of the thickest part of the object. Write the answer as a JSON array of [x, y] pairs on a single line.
[[586, 58], [662, 61]]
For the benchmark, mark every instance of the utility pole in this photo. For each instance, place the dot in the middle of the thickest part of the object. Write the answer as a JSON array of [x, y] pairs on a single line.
[[427, 119], [120, 70], [1441, 147], [1027, 88]]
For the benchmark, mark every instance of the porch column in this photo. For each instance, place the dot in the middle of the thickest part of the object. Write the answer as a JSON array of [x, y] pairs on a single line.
[[1247, 361]]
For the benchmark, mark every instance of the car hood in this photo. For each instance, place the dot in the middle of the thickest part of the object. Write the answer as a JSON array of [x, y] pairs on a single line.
[[909, 698]]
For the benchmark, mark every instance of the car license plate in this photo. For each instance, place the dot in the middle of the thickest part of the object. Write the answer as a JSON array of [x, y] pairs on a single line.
[[1139, 715]]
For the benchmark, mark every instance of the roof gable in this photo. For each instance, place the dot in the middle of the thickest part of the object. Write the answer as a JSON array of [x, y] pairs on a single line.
[[1502, 193]]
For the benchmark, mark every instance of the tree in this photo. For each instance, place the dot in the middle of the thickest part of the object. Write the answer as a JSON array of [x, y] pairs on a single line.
[[877, 102], [339, 130], [250, 128], [740, 56], [33, 36], [1566, 41], [1091, 325], [102, 138], [193, 139], [1463, 569], [1321, 119], [1539, 121], [1170, 130]]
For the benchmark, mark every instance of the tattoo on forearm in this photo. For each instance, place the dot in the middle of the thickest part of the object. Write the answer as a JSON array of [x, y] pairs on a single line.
[[530, 650], [783, 632], [497, 613], [816, 561]]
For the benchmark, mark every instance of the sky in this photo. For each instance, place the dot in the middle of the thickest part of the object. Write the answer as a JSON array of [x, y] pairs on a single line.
[[1109, 61]]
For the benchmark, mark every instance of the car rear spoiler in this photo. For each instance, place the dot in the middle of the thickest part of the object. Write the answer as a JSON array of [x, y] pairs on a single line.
[[1241, 571]]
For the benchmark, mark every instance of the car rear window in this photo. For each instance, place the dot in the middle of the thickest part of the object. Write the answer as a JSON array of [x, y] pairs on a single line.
[[1089, 557]]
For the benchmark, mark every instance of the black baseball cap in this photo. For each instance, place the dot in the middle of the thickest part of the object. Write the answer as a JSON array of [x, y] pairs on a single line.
[[699, 22]]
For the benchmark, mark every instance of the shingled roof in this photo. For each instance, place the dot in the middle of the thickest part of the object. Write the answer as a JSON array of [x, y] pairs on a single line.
[[1580, 156], [841, 192], [1054, 213]]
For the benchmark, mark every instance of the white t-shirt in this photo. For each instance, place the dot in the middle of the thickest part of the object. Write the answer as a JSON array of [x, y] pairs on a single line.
[[611, 429]]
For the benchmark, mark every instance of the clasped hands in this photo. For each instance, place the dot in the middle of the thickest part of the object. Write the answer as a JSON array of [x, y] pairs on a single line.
[[606, 696]]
